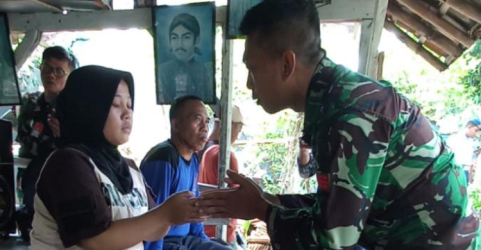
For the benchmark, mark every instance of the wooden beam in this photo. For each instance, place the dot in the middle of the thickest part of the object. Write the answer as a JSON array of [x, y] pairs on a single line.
[[467, 8], [78, 21], [416, 47], [89, 20], [456, 24], [434, 47], [103, 4], [422, 39], [421, 29], [346, 10], [48, 5], [443, 9], [422, 10]]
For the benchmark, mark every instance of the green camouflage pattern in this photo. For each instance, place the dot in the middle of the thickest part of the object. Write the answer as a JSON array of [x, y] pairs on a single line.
[[34, 133], [391, 180]]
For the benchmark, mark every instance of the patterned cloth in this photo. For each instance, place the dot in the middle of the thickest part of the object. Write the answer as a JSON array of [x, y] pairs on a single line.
[[386, 179], [34, 133]]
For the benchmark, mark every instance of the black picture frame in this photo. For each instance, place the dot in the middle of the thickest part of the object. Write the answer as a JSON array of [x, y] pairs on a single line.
[[236, 9], [187, 71], [9, 87]]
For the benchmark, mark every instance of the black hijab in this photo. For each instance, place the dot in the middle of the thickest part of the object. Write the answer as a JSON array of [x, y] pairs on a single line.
[[82, 110]]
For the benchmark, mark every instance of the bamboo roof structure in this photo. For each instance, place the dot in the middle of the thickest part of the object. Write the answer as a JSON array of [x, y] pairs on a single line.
[[437, 30]]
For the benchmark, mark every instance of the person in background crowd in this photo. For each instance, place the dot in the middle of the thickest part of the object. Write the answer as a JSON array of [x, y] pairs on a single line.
[[38, 127], [209, 170], [462, 144], [172, 166]]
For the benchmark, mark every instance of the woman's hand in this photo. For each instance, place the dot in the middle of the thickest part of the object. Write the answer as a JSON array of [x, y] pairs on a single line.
[[180, 208]]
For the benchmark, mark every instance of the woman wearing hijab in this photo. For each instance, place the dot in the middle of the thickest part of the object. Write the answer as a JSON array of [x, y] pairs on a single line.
[[88, 195]]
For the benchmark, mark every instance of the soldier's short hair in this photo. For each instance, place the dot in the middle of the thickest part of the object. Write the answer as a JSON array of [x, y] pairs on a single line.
[[286, 25]]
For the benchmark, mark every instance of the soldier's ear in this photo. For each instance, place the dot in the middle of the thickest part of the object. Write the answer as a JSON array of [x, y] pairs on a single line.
[[288, 64]]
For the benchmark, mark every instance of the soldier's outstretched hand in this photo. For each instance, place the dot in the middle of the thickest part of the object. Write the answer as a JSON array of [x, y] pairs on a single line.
[[245, 201]]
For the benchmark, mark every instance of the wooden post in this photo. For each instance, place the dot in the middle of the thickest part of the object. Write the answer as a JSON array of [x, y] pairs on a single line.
[[420, 9], [371, 30], [226, 114], [421, 29], [415, 46], [226, 110], [364, 46], [380, 65]]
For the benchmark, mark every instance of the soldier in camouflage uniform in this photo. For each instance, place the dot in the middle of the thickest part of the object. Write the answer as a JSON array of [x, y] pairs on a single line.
[[37, 125], [34, 134], [386, 178]]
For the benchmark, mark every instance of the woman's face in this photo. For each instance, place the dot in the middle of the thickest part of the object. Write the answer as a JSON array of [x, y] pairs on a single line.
[[119, 122]]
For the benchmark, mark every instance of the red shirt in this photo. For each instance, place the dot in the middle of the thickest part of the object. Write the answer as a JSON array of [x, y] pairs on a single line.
[[209, 174]]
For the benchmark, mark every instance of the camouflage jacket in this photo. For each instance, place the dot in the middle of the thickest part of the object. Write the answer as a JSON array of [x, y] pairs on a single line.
[[386, 179], [34, 134]]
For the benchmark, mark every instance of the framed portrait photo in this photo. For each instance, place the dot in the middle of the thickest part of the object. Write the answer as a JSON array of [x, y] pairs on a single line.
[[9, 88], [184, 44], [236, 9]]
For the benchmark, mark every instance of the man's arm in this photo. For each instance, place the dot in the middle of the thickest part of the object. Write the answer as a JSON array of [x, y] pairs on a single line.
[[351, 169]]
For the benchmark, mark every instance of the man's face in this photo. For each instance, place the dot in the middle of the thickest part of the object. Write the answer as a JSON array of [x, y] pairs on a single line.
[[183, 43], [265, 76], [54, 74], [472, 131], [192, 125]]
